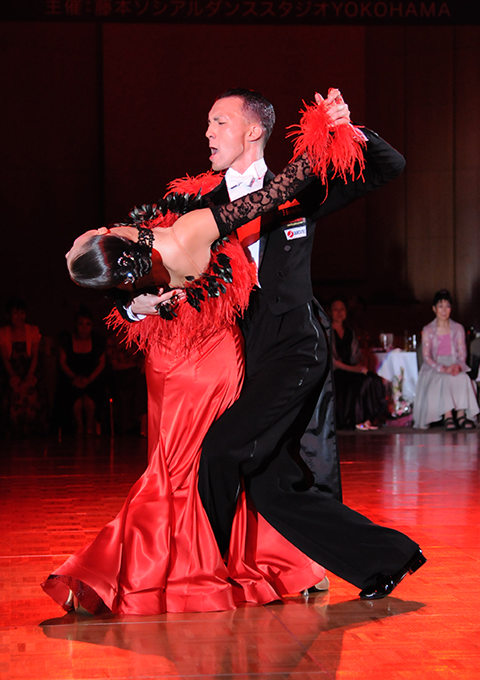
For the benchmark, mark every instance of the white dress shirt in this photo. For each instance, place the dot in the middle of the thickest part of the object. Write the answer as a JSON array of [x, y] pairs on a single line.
[[239, 185]]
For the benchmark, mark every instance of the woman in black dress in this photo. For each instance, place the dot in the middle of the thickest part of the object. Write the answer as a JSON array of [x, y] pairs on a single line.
[[82, 363], [359, 393]]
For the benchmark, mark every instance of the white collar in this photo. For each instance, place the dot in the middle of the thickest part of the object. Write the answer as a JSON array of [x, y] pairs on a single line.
[[254, 172]]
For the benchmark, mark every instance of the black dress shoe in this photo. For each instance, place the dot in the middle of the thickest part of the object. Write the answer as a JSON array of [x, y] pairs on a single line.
[[385, 584]]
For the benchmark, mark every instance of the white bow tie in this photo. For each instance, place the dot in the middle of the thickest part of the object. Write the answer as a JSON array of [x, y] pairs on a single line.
[[235, 179]]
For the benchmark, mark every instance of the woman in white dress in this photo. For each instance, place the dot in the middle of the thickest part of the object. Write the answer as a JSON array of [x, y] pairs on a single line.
[[443, 385]]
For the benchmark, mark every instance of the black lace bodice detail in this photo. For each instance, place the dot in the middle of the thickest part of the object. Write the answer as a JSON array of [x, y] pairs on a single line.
[[281, 189]]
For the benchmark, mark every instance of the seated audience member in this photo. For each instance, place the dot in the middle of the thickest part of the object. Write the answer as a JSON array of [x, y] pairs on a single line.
[[24, 404], [474, 358], [359, 393], [127, 386], [443, 385], [80, 390]]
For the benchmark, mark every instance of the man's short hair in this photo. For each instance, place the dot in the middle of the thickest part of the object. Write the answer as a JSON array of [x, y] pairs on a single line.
[[257, 105]]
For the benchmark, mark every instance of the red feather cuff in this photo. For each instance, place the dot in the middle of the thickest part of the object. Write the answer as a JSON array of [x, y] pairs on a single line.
[[331, 148]]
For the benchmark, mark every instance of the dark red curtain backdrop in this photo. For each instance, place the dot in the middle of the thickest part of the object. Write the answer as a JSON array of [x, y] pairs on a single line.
[[98, 118]]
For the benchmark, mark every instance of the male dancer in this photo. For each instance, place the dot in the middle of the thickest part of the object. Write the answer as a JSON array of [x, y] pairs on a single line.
[[286, 361]]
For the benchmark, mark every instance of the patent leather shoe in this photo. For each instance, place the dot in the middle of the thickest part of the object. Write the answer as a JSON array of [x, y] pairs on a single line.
[[386, 584]]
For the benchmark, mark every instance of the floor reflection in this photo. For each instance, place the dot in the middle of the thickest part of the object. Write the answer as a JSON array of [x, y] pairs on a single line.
[[295, 635]]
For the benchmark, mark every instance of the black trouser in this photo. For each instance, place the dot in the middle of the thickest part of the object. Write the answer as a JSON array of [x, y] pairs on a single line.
[[286, 359]]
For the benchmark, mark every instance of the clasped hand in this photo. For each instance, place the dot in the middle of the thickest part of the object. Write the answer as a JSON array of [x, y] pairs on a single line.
[[337, 109], [80, 382], [16, 382], [147, 303]]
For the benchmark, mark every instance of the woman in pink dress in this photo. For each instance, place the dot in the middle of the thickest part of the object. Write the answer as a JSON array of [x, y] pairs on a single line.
[[444, 386]]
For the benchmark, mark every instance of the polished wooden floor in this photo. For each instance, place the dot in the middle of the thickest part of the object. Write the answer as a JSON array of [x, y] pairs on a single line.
[[55, 496]]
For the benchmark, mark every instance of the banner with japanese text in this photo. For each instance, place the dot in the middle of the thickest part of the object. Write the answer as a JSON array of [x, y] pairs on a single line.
[[316, 12]]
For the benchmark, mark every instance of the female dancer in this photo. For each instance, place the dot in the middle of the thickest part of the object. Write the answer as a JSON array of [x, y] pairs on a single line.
[[159, 553]]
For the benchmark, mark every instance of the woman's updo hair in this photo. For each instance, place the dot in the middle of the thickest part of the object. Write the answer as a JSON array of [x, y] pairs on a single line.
[[442, 295], [108, 261]]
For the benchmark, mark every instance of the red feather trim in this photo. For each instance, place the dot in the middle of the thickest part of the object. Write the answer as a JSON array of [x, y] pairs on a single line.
[[329, 146], [205, 182], [190, 328]]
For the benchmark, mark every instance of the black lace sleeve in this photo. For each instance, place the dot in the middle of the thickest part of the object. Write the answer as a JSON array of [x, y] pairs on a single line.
[[281, 189]]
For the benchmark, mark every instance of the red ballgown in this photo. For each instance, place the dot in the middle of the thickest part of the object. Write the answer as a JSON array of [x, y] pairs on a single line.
[[159, 554]]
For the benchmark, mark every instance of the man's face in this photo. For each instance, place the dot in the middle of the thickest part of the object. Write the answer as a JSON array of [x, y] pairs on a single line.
[[227, 134]]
